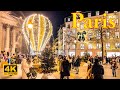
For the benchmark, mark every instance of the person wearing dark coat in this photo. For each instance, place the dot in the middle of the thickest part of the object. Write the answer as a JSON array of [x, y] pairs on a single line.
[[77, 64], [114, 67], [65, 68], [97, 70]]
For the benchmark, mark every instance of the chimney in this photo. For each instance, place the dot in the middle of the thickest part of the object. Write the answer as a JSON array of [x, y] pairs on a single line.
[[89, 14], [97, 13]]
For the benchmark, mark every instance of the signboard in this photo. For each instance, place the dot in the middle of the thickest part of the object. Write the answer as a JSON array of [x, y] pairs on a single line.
[[10, 69]]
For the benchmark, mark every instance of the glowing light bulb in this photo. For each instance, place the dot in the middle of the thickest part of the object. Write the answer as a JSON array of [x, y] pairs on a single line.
[[30, 26]]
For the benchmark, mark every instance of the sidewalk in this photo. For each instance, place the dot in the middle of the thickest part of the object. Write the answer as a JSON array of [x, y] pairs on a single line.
[[82, 73], [56, 75], [108, 72]]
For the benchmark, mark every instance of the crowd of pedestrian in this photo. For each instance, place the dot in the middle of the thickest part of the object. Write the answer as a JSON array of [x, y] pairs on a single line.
[[95, 66], [25, 61], [66, 64]]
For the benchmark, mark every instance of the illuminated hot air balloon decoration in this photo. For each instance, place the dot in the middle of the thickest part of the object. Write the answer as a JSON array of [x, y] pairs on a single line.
[[37, 30]]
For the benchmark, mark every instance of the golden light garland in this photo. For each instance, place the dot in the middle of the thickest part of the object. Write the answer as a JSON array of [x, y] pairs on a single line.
[[39, 33]]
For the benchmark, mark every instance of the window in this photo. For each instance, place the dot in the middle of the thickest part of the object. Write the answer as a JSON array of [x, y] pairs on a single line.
[[82, 46], [90, 53], [98, 35], [117, 45], [114, 17], [99, 54], [72, 53], [73, 31], [107, 45], [117, 21], [82, 54], [107, 34], [116, 34], [81, 26], [98, 46], [73, 46], [90, 46], [89, 36]]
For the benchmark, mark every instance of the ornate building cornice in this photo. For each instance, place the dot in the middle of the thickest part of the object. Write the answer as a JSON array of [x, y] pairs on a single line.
[[6, 18]]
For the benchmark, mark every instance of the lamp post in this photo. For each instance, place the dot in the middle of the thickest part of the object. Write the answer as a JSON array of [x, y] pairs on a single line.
[[30, 26], [75, 46]]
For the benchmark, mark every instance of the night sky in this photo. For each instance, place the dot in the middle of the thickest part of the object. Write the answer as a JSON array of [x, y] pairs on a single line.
[[56, 17]]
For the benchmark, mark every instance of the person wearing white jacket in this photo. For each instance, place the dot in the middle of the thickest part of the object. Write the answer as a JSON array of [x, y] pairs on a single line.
[[25, 65]]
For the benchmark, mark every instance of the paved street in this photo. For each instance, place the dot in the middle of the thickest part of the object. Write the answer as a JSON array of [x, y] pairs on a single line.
[[108, 72], [82, 73]]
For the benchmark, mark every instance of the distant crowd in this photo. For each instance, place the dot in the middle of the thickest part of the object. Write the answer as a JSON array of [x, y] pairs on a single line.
[[95, 68]]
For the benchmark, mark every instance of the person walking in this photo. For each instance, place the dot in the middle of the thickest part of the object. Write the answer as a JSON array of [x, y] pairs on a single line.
[[60, 67], [26, 64], [65, 68], [89, 70], [97, 70], [70, 61], [77, 64], [73, 61], [114, 67]]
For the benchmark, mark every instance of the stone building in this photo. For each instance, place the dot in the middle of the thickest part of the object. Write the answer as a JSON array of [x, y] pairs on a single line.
[[11, 38], [92, 43]]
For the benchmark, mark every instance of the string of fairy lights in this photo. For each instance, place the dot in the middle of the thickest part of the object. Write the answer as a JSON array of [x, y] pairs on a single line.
[[43, 32]]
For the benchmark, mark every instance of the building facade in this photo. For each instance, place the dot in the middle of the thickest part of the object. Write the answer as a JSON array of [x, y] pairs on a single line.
[[80, 40], [10, 33]]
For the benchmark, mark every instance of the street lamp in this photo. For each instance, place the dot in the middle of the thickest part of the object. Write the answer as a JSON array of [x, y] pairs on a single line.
[[75, 46], [30, 26]]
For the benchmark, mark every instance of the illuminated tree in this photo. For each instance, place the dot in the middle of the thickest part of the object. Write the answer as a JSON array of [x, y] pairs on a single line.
[[48, 62]]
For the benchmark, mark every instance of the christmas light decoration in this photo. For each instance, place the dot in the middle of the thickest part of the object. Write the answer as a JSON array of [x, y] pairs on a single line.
[[37, 30]]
